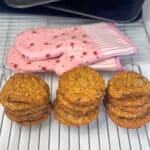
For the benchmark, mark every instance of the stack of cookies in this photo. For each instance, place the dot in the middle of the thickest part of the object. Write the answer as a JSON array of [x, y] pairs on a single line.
[[26, 99], [128, 99], [78, 96]]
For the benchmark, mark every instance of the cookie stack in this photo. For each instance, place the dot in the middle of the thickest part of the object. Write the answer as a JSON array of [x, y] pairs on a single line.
[[78, 96], [26, 99], [128, 99]]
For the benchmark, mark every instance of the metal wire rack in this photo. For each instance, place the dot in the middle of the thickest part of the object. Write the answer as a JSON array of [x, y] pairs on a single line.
[[102, 134]]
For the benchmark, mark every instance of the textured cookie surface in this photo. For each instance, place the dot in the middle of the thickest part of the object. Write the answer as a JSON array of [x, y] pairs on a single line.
[[128, 84], [82, 85], [82, 108], [133, 101], [25, 97], [133, 109], [71, 111], [25, 89], [130, 123], [28, 117], [121, 113], [61, 119], [36, 121], [14, 106], [29, 111], [76, 120]]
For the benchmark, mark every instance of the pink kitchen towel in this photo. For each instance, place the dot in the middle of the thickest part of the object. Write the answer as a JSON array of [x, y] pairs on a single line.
[[103, 38], [17, 64], [61, 49]]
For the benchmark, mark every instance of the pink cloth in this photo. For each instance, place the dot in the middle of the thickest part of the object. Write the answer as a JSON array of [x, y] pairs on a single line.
[[103, 38], [61, 49], [42, 43], [17, 64]]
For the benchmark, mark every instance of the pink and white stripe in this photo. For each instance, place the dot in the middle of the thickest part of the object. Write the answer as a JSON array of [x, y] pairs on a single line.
[[110, 40]]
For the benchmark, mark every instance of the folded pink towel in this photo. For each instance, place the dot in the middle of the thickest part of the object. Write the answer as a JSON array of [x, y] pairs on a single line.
[[103, 40], [17, 64], [37, 49]]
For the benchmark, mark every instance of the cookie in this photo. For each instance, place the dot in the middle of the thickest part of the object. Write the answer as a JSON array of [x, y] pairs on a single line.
[[138, 109], [36, 122], [82, 108], [128, 84], [78, 113], [122, 113], [13, 106], [32, 116], [61, 119], [29, 120], [26, 88], [26, 98], [29, 111], [84, 86], [130, 123], [129, 102], [74, 120], [134, 109]]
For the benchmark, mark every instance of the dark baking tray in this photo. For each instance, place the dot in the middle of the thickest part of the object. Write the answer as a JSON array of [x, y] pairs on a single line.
[[107, 10], [123, 11], [27, 3]]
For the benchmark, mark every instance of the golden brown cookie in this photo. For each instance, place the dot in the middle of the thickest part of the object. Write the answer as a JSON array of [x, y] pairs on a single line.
[[82, 108], [133, 109], [71, 111], [29, 121], [77, 120], [28, 117], [26, 88], [130, 123], [36, 122], [61, 119], [25, 97], [122, 113], [14, 106], [24, 118], [82, 86], [128, 84], [30, 110], [129, 102]]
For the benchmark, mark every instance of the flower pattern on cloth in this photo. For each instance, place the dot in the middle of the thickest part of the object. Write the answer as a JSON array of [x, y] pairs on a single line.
[[17, 64], [61, 49]]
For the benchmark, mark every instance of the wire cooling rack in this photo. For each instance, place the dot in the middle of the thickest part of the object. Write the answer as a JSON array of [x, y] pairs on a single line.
[[101, 134]]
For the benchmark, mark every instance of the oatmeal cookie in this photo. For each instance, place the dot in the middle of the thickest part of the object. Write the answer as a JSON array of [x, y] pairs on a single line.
[[128, 84]]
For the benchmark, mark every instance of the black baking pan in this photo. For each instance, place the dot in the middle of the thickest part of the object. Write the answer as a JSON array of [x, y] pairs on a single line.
[[122, 11], [108, 10], [27, 3], [37, 10]]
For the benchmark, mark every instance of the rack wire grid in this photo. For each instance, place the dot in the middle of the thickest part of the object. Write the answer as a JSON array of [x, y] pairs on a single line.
[[101, 134]]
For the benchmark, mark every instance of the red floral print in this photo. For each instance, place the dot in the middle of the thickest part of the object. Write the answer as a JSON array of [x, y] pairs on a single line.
[[95, 53]]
